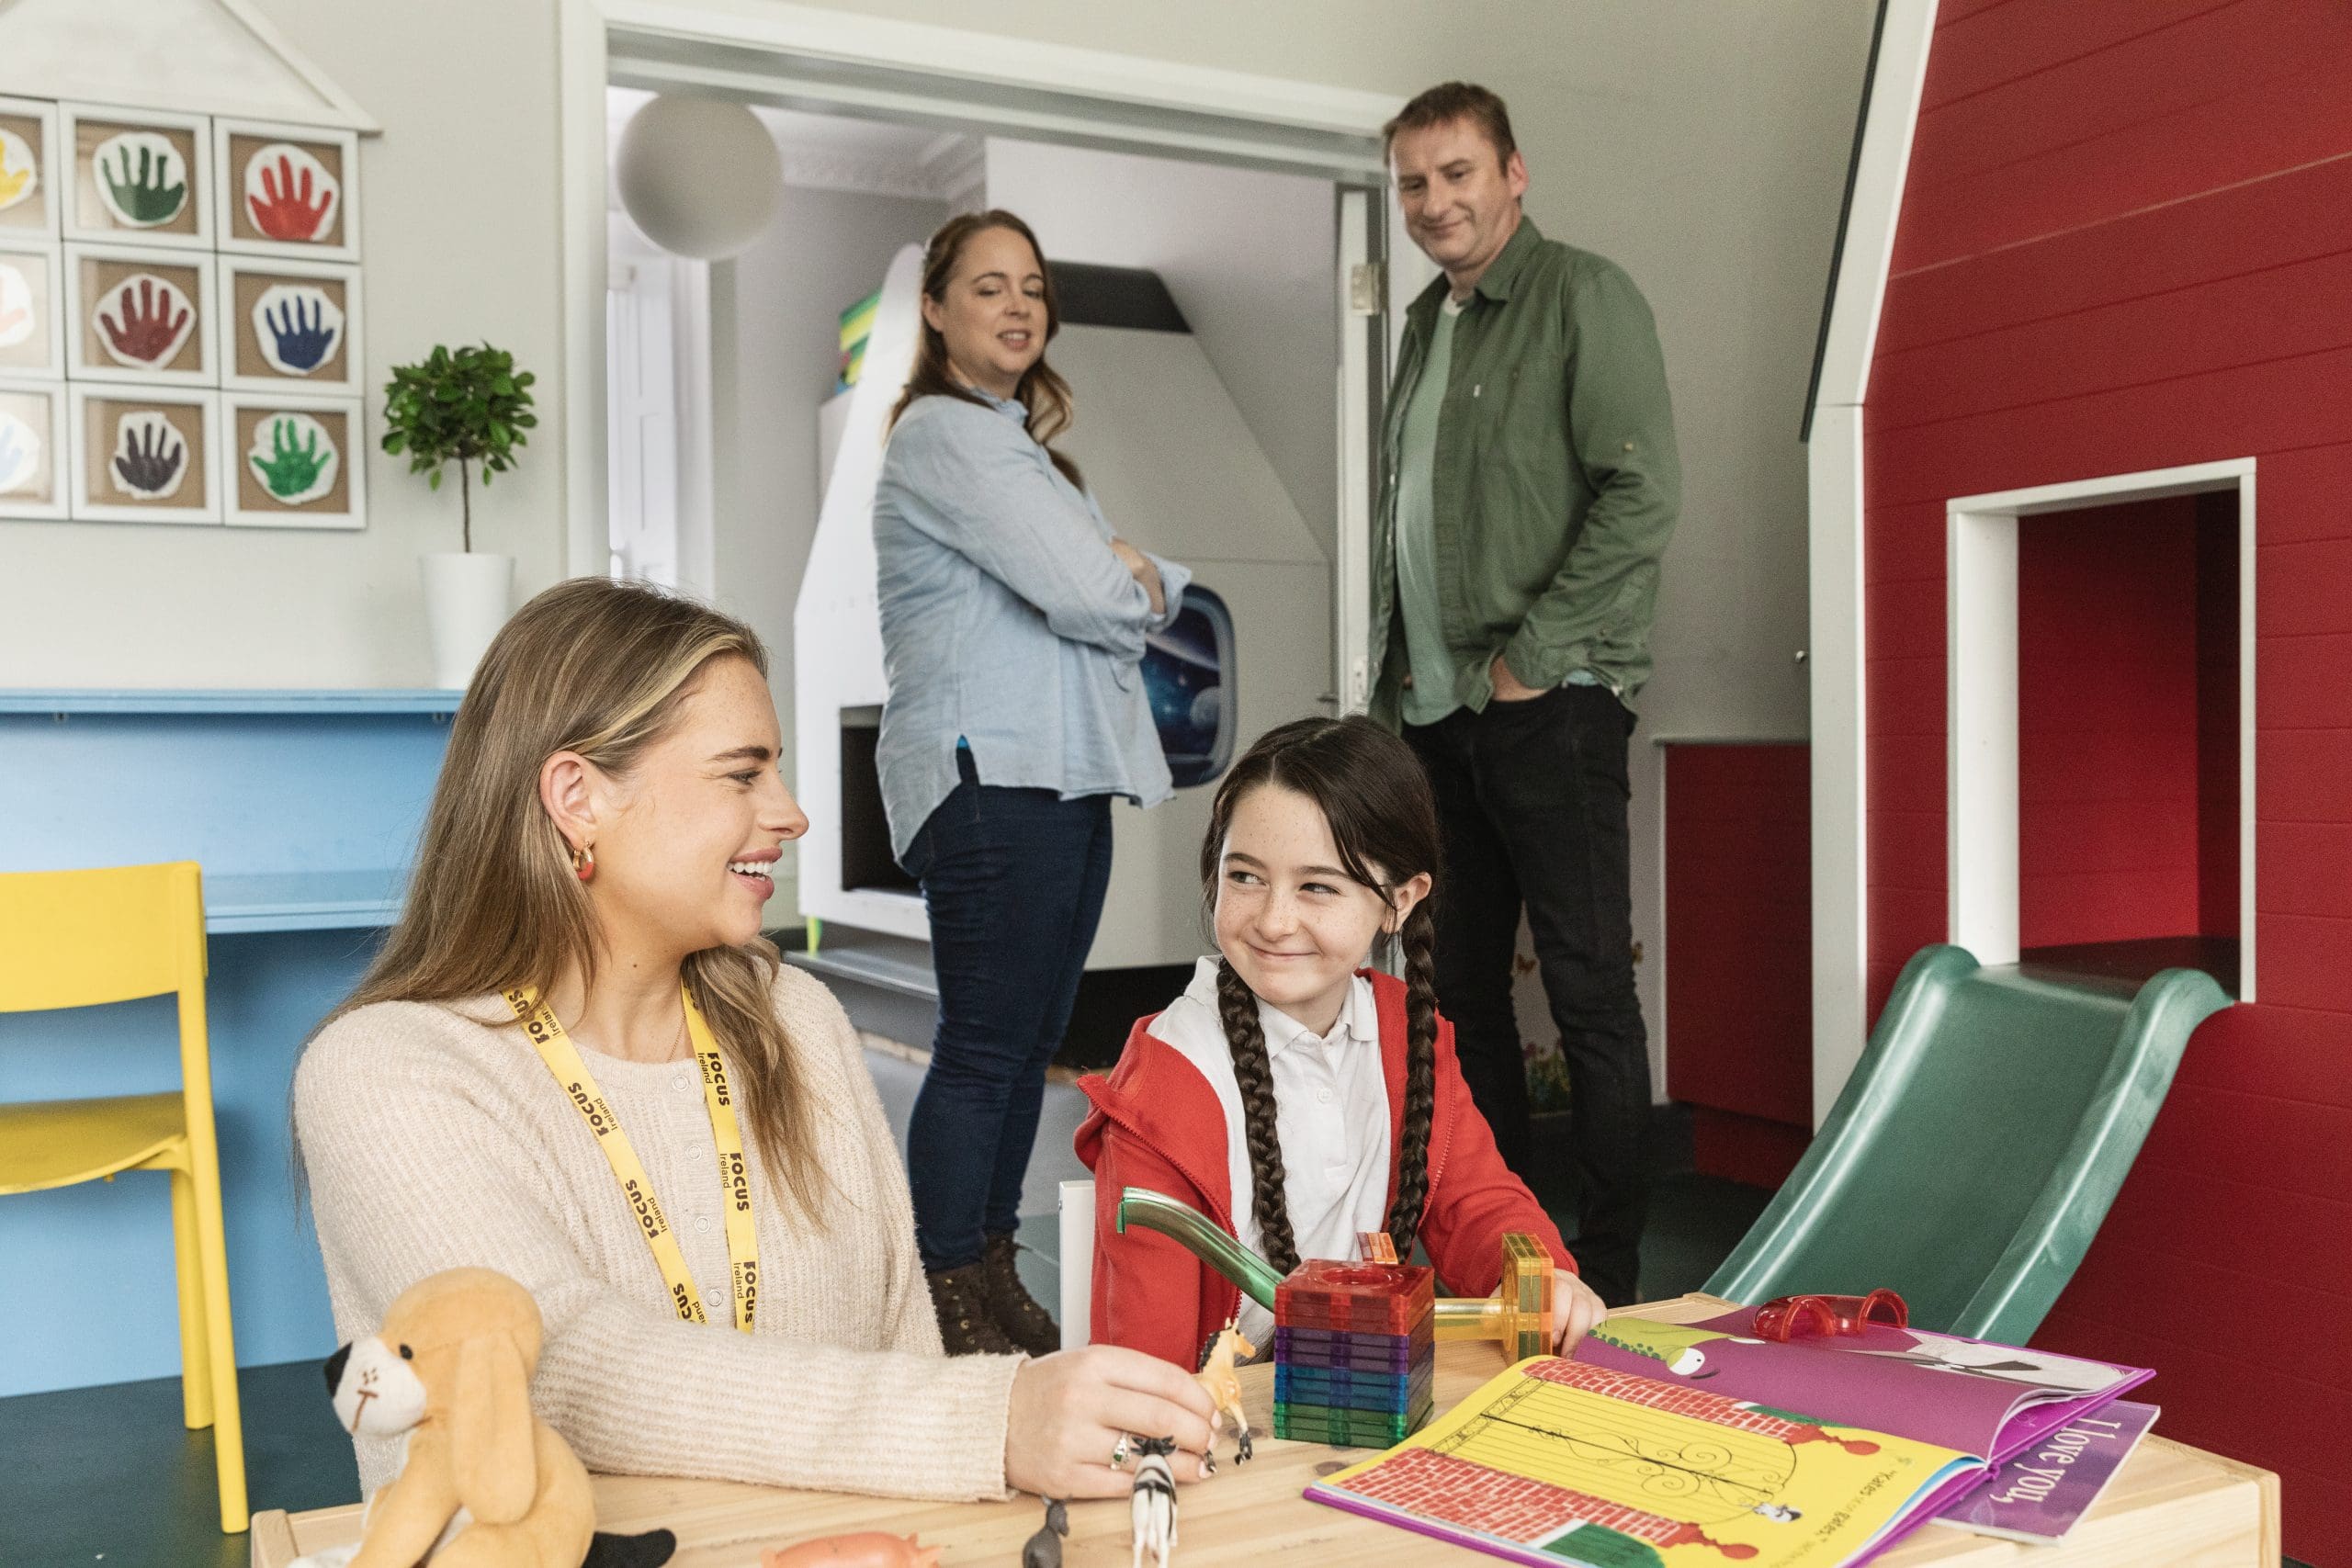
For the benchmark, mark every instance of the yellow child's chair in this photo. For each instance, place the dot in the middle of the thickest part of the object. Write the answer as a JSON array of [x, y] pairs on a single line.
[[71, 939]]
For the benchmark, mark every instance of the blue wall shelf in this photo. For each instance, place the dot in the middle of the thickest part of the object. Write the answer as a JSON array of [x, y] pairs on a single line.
[[302, 806]]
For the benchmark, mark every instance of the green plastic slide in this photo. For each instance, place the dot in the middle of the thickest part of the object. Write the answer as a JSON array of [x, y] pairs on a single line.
[[1977, 1146]]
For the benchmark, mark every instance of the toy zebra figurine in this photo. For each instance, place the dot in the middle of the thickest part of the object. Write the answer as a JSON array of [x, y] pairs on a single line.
[[1222, 1385], [1152, 1509]]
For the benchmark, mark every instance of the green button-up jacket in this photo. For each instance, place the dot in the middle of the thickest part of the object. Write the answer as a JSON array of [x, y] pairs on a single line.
[[1556, 480]]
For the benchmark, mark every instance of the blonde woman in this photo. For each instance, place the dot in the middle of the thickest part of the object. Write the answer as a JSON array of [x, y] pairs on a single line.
[[577, 1062]]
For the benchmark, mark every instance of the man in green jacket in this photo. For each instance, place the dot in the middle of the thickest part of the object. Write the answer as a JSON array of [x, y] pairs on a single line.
[[1533, 483]]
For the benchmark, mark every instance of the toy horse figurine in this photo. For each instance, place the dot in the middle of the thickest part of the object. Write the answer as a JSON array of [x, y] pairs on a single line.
[[1152, 1506], [1222, 1385], [1044, 1549]]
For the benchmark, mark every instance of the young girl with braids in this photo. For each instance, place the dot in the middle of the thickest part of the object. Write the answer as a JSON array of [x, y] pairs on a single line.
[[1293, 1094]]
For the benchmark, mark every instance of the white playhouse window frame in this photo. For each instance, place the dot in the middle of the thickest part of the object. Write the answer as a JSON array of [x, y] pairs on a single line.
[[1981, 651]]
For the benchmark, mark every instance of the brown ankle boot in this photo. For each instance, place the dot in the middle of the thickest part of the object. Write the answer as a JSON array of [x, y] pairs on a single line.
[[967, 1327], [1029, 1327]]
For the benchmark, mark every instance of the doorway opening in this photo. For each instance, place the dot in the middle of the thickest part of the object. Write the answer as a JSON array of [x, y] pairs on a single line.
[[1237, 435], [2102, 758]]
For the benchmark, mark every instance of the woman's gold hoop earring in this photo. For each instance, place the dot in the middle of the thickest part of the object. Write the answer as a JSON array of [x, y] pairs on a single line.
[[583, 862]]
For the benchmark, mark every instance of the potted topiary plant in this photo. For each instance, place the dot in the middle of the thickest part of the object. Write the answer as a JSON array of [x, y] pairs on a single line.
[[467, 405]]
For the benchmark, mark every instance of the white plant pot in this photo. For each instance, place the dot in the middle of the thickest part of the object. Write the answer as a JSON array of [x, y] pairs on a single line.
[[466, 598]]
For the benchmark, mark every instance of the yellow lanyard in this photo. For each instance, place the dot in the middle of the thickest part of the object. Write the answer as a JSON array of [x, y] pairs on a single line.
[[562, 1057]]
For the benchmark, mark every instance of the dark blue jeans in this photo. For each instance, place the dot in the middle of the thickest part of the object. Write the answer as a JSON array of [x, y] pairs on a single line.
[[1014, 880]]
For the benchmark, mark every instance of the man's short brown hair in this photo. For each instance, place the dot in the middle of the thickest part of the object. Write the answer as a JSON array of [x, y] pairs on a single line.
[[1451, 101]]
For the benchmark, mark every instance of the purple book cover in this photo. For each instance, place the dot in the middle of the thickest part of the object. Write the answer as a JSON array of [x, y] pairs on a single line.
[[2038, 1495], [1973, 1395]]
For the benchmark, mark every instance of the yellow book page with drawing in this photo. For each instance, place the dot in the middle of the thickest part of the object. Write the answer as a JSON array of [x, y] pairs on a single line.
[[1554, 1461]]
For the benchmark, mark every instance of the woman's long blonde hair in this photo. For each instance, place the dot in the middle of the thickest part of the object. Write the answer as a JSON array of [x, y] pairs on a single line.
[[601, 668]]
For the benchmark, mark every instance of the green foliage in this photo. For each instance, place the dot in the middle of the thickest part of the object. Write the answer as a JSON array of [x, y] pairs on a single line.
[[470, 405]]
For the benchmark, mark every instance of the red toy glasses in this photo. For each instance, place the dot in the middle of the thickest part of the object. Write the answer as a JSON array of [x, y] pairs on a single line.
[[1793, 1317]]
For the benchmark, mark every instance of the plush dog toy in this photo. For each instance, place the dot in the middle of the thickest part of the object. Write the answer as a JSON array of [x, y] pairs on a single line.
[[483, 1482]]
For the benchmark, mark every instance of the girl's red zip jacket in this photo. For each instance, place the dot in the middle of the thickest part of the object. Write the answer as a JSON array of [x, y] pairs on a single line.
[[1157, 1124]]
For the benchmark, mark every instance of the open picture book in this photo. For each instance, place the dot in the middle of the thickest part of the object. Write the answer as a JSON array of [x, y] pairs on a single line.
[[1674, 1445]]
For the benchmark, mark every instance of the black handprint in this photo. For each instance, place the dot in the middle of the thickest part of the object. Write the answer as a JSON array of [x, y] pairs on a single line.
[[152, 458]]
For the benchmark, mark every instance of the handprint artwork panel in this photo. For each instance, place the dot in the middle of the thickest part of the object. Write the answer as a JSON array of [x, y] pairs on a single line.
[[150, 456], [30, 342], [144, 458], [142, 179], [144, 321], [28, 178], [138, 315], [294, 457], [139, 177], [292, 326], [287, 190], [19, 168], [31, 448], [300, 462], [22, 450]]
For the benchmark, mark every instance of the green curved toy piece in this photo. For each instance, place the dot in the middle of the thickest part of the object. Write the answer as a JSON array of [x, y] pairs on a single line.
[[1202, 1237], [1977, 1146], [1456, 1318]]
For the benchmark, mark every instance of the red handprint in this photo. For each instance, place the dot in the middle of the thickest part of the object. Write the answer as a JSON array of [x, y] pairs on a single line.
[[286, 208], [151, 329]]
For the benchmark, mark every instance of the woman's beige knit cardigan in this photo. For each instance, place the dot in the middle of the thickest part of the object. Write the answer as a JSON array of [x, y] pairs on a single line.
[[434, 1136]]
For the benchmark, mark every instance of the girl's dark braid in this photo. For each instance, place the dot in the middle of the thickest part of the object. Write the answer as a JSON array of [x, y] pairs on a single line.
[[1254, 1070], [1420, 937]]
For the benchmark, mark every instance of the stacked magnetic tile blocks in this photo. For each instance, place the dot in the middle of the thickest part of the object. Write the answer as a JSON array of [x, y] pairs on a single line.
[[1356, 1353], [1526, 1296]]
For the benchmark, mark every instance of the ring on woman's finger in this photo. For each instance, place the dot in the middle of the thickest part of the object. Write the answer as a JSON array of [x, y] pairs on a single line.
[[1119, 1453]]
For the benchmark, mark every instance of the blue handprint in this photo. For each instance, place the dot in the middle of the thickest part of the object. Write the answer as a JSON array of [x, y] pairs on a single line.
[[19, 452], [304, 338]]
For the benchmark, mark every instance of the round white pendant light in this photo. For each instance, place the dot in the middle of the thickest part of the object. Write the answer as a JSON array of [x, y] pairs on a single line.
[[700, 176]]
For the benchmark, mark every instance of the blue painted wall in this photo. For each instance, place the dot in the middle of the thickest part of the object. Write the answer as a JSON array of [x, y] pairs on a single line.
[[309, 790], [86, 1295]]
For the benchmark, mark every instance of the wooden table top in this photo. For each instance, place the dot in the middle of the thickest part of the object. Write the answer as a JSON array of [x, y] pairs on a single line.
[[2170, 1504]]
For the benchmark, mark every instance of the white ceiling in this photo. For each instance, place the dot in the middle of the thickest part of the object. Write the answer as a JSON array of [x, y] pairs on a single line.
[[839, 153]]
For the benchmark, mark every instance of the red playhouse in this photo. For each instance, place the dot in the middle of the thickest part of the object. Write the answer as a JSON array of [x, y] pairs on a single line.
[[2081, 457]]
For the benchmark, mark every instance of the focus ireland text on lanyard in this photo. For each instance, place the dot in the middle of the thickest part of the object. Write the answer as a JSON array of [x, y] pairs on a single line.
[[562, 1057]]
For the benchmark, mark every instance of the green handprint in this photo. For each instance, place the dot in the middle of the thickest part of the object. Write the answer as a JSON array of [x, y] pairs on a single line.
[[292, 473], [144, 201]]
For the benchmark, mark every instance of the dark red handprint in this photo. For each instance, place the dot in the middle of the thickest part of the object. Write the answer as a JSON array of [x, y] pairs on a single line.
[[152, 327], [288, 206]]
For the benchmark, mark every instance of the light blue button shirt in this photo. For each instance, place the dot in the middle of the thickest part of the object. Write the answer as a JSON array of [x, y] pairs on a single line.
[[1007, 621]]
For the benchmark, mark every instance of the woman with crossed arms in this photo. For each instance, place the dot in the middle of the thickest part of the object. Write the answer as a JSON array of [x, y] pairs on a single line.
[[1014, 624], [593, 866]]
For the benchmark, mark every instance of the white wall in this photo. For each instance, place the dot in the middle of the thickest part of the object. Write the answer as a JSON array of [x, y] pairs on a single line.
[[776, 332], [1700, 142], [458, 211], [1259, 296]]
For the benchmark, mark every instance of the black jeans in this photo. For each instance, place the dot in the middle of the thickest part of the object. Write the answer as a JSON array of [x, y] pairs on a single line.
[[1014, 880], [1530, 798]]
